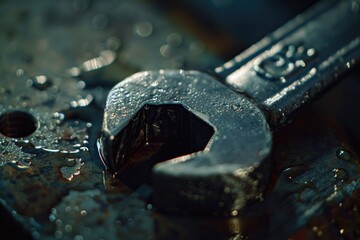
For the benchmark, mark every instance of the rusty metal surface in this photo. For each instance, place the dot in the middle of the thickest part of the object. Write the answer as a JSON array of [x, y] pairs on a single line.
[[57, 61], [52, 57]]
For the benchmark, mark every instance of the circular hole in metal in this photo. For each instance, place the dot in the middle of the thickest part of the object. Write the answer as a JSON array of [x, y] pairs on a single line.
[[17, 124]]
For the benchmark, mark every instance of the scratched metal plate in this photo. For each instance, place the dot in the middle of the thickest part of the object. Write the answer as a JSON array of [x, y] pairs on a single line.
[[59, 59]]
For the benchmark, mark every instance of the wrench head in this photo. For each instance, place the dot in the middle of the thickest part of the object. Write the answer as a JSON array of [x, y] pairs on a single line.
[[228, 168]]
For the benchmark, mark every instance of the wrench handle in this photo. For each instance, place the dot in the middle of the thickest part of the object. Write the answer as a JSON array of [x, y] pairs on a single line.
[[297, 62]]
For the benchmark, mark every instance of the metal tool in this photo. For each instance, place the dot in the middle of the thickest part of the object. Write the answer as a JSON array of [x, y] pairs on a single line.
[[223, 129]]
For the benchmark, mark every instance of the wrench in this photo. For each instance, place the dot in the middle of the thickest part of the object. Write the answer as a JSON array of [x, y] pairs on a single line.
[[241, 104]]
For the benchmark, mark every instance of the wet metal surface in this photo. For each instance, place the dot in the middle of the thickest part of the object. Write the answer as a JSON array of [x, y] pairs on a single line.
[[196, 182], [58, 61], [292, 65], [235, 159]]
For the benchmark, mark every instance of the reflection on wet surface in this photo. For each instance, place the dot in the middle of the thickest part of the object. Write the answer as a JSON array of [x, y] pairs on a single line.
[[58, 62]]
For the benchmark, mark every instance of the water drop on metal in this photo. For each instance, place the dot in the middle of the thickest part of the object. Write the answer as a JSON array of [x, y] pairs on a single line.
[[100, 22], [340, 174], [40, 82], [143, 29], [344, 154]]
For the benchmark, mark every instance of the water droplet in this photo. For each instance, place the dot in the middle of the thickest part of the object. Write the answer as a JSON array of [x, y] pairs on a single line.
[[80, 84], [36, 235], [48, 149], [69, 172], [300, 63], [143, 29], [344, 154], [52, 218], [236, 107], [19, 72], [174, 39], [234, 213], [113, 43], [100, 22], [22, 164], [74, 71], [165, 50], [340, 174], [53, 210], [82, 102], [68, 228], [310, 52], [84, 149], [58, 234], [318, 232], [40, 82]]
